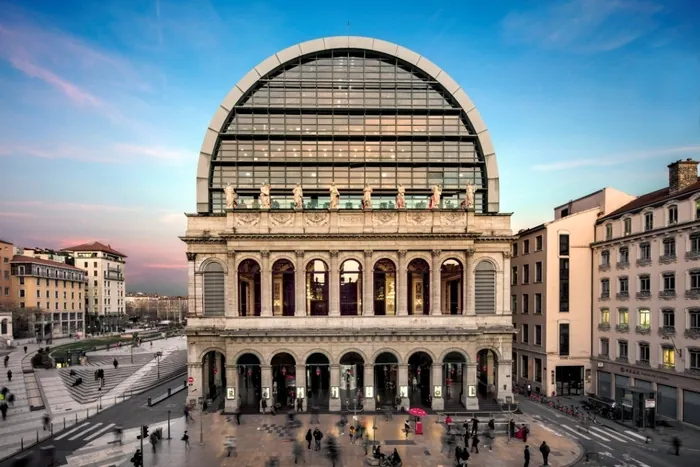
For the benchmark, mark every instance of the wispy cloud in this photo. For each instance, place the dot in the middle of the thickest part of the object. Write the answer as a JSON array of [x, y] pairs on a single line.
[[16, 214], [118, 153], [616, 159], [182, 265], [582, 26], [68, 206]]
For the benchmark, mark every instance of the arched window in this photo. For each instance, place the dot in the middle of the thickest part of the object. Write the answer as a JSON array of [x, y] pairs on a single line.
[[451, 274], [214, 290], [485, 288], [418, 273], [384, 287], [317, 288], [283, 288], [249, 288], [350, 288]]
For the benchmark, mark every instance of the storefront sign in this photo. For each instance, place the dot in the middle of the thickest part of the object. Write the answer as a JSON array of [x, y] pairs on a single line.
[[649, 404], [335, 392], [403, 392], [646, 374], [472, 391], [300, 393], [266, 393], [230, 393], [369, 392], [437, 392]]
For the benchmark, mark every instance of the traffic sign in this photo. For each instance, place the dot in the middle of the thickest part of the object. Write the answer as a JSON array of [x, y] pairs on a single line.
[[215, 370], [190, 380]]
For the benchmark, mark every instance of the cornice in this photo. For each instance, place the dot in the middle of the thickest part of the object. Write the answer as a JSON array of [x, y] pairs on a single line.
[[693, 226]]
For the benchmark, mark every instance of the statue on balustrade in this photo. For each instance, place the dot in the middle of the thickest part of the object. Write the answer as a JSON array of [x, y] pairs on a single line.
[[264, 197], [401, 198], [469, 198], [231, 197], [435, 198], [335, 196], [367, 197], [298, 197]]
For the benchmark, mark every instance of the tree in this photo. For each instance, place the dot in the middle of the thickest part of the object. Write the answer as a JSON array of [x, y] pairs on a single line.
[[23, 320]]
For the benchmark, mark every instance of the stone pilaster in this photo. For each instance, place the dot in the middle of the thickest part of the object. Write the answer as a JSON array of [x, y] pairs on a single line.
[[194, 391], [219, 365], [193, 305], [368, 285], [334, 285], [370, 404], [299, 285], [436, 380], [435, 289], [469, 380], [266, 381], [403, 381], [335, 404], [301, 382], [265, 284], [401, 285], [503, 286], [504, 386], [232, 285], [469, 307], [230, 405]]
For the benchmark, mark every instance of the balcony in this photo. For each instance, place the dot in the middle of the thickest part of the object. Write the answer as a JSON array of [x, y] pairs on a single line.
[[624, 328], [642, 262], [692, 333], [645, 363], [604, 356], [644, 295], [692, 371], [668, 294], [692, 294], [603, 326], [667, 259], [643, 330], [667, 366], [666, 331], [604, 267], [692, 255], [622, 264], [622, 359], [622, 295], [114, 274], [605, 296]]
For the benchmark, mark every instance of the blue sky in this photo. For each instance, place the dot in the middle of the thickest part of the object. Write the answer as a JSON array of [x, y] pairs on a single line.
[[103, 105]]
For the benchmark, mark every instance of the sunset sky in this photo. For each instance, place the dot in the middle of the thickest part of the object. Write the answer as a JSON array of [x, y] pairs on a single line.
[[103, 105]]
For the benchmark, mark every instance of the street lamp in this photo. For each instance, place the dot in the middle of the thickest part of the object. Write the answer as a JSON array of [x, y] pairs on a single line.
[[158, 355]]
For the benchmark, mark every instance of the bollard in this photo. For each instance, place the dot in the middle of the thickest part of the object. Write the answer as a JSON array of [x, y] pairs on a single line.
[[37, 436], [149, 401], [64, 423], [169, 392], [184, 384], [168, 424], [21, 444], [76, 418], [51, 429]]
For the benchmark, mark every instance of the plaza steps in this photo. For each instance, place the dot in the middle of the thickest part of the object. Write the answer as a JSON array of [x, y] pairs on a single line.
[[108, 360], [89, 390], [173, 363], [489, 405]]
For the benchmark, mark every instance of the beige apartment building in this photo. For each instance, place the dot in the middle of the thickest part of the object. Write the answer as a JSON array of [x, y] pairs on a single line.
[[156, 307], [646, 301], [54, 291], [7, 250], [551, 296]]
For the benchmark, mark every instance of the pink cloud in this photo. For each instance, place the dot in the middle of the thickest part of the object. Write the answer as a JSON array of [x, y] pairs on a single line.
[[182, 265], [16, 214]]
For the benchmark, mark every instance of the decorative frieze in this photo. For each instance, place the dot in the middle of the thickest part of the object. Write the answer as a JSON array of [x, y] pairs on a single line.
[[368, 253], [470, 252], [191, 256], [299, 253], [265, 253]]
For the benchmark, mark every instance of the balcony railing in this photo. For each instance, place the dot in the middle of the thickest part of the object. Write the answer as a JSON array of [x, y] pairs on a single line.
[[668, 294], [622, 359], [622, 264], [667, 331], [641, 262], [693, 371], [644, 330], [603, 356], [643, 363], [622, 328], [693, 333], [622, 295], [692, 255], [603, 326], [604, 267], [644, 295], [605, 296], [667, 366], [667, 259], [692, 294]]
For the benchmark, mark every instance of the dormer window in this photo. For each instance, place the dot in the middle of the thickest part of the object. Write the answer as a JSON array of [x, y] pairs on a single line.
[[627, 223], [648, 221], [608, 231], [672, 215]]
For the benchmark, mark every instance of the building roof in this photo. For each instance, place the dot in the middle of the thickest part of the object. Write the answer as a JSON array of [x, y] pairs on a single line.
[[95, 246], [653, 198], [45, 262], [6, 242]]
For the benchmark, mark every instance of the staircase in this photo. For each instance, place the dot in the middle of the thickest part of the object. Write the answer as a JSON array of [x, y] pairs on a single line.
[[89, 390], [172, 363], [489, 405]]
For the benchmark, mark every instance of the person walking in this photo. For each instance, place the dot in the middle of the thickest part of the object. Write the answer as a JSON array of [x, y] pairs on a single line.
[[186, 439], [309, 437], [137, 459], [544, 449], [475, 425], [46, 421], [511, 429], [676, 441], [526, 431], [526, 455], [475, 443], [318, 436], [25, 349], [238, 415], [9, 375], [298, 452], [7, 360], [115, 363]]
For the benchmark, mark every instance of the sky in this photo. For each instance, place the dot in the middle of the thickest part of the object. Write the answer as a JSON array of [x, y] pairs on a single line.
[[104, 105]]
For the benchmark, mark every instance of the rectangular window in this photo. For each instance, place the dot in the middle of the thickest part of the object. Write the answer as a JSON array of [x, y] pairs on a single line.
[[648, 221], [526, 304], [538, 370], [672, 215], [513, 303], [605, 288], [623, 283], [563, 285], [514, 275], [564, 339], [604, 316], [628, 226], [538, 243], [644, 353], [623, 316], [526, 274], [669, 319], [526, 247], [645, 252], [538, 303], [669, 357], [604, 347], [622, 349], [695, 243], [694, 360], [697, 208], [669, 282], [563, 244], [605, 258], [608, 231], [538, 334], [624, 255], [694, 318], [524, 366], [694, 279], [515, 249], [538, 271], [526, 333], [644, 318], [670, 248], [645, 284]]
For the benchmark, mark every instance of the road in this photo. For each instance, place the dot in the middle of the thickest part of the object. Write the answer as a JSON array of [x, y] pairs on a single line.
[[129, 414], [610, 441]]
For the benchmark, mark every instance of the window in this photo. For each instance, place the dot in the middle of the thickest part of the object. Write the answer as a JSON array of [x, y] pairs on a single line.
[[648, 221], [672, 215], [645, 284], [538, 303], [563, 285], [697, 208], [669, 357], [605, 258], [564, 212], [604, 316], [21, 293], [627, 224], [604, 347], [669, 281], [644, 352], [622, 350], [538, 271], [526, 247], [514, 303], [669, 319], [21, 281], [694, 360], [524, 366], [538, 243], [526, 274], [624, 255], [538, 334], [694, 279], [526, 333], [514, 275], [526, 304], [605, 288], [694, 319], [515, 249], [695, 242], [623, 316], [563, 339], [538, 370], [644, 251], [623, 283], [670, 248], [608, 231], [563, 244], [644, 318]]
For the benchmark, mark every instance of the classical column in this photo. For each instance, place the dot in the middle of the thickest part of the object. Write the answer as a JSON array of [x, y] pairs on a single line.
[[232, 286], [504, 387], [265, 284], [436, 380], [266, 381], [503, 286], [401, 280], [335, 404], [370, 403], [469, 381], [435, 289], [299, 285], [368, 285], [403, 382], [230, 405], [301, 382], [192, 305], [468, 284], [334, 285], [195, 390]]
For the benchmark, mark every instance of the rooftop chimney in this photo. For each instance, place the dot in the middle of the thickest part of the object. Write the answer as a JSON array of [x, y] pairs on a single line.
[[682, 174]]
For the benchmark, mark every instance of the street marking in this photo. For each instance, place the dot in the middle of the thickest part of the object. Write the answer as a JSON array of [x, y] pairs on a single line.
[[617, 433], [99, 432], [574, 432], [57, 438], [604, 445], [642, 464], [549, 429], [636, 435], [599, 436], [84, 432], [606, 433]]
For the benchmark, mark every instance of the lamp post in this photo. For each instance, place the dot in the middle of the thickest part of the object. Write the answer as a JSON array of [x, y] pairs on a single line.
[[158, 355], [131, 352]]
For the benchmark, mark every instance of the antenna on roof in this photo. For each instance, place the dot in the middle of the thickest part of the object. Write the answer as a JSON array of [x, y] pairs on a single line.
[[347, 29]]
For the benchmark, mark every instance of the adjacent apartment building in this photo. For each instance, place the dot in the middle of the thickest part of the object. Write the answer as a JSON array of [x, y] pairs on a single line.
[[105, 268], [646, 301], [551, 296], [6, 253]]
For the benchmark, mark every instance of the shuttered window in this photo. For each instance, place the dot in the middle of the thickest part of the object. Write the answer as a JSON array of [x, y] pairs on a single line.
[[485, 288], [214, 296]]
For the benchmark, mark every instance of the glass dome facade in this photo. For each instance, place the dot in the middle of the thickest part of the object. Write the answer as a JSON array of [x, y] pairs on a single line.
[[350, 117]]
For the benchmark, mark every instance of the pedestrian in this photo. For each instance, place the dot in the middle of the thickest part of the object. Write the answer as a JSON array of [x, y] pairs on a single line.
[[137, 459], [238, 415], [7, 360], [298, 452], [11, 399], [47, 420], [466, 439], [475, 425], [458, 454], [526, 431], [475, 443], [3, 410], [25, 349], [154, 440], [406, 428], [309, 437], [676, 445], [448, 423], [318, 436], [115, 363], [544, 449], [492, 424], [527, 456], [9, 375], [263, 405], [186, 439], [230, 445]]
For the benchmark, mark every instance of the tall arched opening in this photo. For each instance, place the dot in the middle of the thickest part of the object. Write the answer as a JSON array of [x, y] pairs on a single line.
[[249, 383], [487, 373], [352, 376], [214, 375], [350, 288], [283, 288], [386, 379], [420, 366], [318, 381], [454, 367], [418, 275], [249, 296], [284, 381], [451, 274], [384, 287], [317, 288]]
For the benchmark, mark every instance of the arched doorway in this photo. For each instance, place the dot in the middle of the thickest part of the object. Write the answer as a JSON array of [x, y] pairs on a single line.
[[453, 373], [451, 274], [318, 381], [418, 274], [384, 287], [3, 327], [350, 288], [487, 373], [284, 381], [214, 375], [317, 288], [420, 366], [386, 379], [249, 288], [249, 382], [283, 288], [352, 376]]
